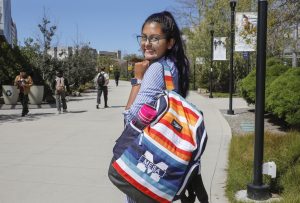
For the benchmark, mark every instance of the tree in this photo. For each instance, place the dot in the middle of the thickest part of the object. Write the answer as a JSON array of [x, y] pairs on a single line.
[[197, 15], [105, 62], [8, 63], [48, 31], [87, 64], [281, 23], [131, 59]]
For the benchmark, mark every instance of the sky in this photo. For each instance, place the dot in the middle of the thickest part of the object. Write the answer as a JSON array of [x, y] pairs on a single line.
[[106, 25]]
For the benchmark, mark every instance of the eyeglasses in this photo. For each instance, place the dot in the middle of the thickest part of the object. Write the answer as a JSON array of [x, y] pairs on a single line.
[[153, 39]]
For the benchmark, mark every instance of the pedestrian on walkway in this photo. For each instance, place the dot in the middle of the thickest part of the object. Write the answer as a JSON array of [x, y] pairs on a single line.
[[117, 76], [101, 81], [23, 83], [161, 43], [61, 87]]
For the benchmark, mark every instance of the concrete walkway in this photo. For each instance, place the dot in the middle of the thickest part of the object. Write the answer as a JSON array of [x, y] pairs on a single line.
[[64, 158]]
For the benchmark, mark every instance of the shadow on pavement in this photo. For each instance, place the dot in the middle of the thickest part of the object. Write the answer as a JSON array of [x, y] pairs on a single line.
[[117, 106], [30, 106], [90, 91], [82, 111], [8, 106], [18, 118], [80, 99]]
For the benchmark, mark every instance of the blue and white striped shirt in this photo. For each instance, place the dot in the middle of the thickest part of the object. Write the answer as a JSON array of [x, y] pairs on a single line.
[[152, 85]]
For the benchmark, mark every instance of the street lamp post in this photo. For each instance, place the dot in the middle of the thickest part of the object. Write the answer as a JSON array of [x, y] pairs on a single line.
[[232, 6], [211, 59], [257, 190]]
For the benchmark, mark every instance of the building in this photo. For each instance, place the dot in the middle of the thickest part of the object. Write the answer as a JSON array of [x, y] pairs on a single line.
[[64, 52], [115, 55], [60, 52], [8, 29], [14, 34]]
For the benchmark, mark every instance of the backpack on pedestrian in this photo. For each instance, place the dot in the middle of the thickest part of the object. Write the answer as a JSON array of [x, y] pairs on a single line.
[[101, 80], [160, 160], [60, 85]]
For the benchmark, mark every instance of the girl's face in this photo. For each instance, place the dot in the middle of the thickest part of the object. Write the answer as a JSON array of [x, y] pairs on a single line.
[[153, 41]]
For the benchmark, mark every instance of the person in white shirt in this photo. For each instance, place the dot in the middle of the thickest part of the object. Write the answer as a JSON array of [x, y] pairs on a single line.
[[101, 82]]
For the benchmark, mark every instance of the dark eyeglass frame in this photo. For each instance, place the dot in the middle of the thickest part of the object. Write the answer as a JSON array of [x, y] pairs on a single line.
[[152, 39]]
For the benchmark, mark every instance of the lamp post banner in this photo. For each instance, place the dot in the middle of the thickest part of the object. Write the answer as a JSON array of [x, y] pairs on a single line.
[[219, 49], [245, 31]]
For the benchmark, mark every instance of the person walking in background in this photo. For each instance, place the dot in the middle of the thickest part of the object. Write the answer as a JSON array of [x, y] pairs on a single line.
[[117, 76], [60, 85], [23, 83], [101, 81]]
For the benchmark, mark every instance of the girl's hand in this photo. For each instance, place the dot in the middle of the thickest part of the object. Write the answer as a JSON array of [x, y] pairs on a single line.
[[140, 69]]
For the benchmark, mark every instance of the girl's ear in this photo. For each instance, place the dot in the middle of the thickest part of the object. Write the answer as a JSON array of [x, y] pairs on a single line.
[[171, 43]]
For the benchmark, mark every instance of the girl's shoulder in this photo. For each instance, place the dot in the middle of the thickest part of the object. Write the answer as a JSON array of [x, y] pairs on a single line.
[[155, 66], [163, 62]]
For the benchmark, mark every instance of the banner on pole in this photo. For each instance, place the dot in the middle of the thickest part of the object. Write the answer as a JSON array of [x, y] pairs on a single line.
[[219, 52], [245, 31]]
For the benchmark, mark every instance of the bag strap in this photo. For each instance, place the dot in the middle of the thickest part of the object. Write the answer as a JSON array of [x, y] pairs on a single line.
[[168, 77]]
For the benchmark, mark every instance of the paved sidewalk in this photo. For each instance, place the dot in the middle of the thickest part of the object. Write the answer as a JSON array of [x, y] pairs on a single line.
[[214, 160], [64, 158]]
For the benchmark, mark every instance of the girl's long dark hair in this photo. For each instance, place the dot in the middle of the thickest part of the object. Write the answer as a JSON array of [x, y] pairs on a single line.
[[171, 30]]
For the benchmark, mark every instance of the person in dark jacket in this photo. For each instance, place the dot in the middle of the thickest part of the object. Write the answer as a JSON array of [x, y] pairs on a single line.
[[117, 76]]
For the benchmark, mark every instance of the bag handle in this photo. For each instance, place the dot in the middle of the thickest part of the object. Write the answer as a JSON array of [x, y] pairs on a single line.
[[168, 77]]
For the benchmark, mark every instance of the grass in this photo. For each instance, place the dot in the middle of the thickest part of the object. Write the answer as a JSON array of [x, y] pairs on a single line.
[[224, 94], [218, 94], [284, 150]]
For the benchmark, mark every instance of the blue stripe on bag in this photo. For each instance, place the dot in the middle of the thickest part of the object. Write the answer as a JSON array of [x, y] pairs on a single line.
[[176, 168], [131, 162], [147, 144]]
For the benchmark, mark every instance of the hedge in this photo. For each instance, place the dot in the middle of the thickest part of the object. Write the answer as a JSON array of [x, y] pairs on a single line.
[[247, 85], [283, 98], [282, 91]]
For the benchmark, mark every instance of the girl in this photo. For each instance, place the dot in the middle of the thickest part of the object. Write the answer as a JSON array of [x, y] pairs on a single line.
[[161, 43]]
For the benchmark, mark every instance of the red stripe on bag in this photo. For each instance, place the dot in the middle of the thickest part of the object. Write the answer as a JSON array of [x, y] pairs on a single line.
[[167, 144], [183, 136], [187, 110], [137, 185]]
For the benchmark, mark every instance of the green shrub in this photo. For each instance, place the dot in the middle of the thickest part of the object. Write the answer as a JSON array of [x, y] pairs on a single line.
[[273, 61], [283, 98], [272, 73], [247, 87], [86, 86]]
